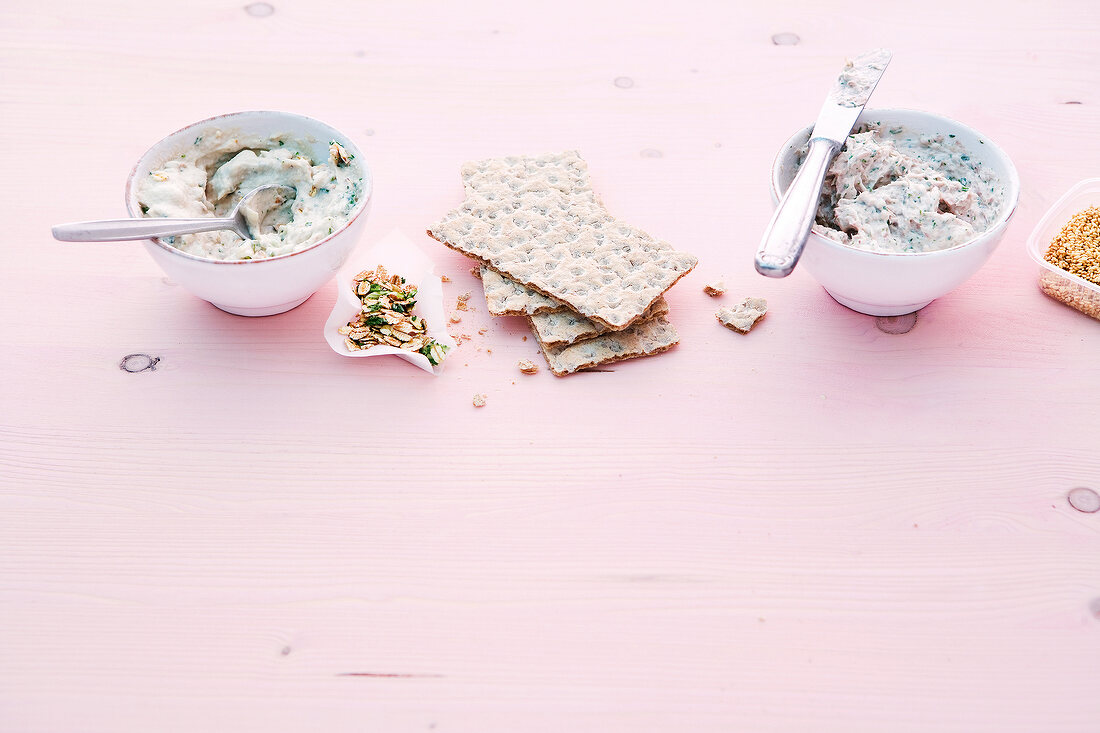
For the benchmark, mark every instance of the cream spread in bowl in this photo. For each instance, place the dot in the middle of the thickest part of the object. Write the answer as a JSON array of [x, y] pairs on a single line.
[[891, 189], [210, 175]]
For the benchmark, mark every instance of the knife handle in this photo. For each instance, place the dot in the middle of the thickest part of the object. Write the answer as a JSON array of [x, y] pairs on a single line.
[[790, 225]]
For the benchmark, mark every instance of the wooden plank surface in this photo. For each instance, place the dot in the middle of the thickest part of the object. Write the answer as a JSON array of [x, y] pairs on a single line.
[[820, 526]]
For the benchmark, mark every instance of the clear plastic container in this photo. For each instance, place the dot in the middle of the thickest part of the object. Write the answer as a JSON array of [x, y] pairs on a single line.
[[1072, 290]]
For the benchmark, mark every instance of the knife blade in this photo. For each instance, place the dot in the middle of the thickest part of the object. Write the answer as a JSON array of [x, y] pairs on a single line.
[[786, 234]]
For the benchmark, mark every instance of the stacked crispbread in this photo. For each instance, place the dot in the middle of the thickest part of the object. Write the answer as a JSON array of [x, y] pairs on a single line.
[[590, 284]]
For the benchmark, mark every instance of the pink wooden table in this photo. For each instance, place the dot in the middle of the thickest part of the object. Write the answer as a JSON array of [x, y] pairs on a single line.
[[821, 526]]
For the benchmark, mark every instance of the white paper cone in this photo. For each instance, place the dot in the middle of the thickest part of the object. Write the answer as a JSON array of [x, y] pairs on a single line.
[[400, 257]]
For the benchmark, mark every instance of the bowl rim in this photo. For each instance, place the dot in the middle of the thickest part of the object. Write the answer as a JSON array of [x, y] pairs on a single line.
[[1003, 218], [354, 149]]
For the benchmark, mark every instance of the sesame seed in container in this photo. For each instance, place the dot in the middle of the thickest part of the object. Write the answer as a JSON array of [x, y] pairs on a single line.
[[1066, 246], [1076, 249]]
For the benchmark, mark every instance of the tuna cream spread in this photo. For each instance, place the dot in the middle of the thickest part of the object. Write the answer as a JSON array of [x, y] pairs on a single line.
[[210, 176], [892, 190]]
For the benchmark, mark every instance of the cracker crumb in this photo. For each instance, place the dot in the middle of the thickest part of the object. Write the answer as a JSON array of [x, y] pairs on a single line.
[[715, 288], [455, 318], [489, 352], [744, 315], [464, 297], [476, 272], [524, 338], [527, 366], [482, 331], [444, 278], [479, 400]]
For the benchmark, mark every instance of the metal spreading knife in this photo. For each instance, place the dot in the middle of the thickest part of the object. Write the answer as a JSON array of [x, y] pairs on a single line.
[[790, 225]]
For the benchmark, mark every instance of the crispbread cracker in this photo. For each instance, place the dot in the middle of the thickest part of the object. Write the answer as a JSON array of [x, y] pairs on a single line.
[[560, 328], [565, 172], [743, 316], [507, 297], [526, 219], [641, 339]]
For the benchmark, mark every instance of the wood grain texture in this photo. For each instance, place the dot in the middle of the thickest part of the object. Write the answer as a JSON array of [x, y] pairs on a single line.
[[817, 526]]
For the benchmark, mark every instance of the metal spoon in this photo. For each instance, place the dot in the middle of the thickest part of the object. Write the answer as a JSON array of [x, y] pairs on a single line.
[[244, 219]]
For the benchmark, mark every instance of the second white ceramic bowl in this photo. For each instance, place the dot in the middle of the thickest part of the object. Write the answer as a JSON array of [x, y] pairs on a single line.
[[267, 286], [892, 284]]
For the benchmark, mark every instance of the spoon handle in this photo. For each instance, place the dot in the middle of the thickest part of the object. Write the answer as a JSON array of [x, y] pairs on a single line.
[[794, 217], [118, 230]]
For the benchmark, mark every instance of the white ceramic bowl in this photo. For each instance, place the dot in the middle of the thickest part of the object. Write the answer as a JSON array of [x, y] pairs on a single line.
[[892, 284], [267, 286]]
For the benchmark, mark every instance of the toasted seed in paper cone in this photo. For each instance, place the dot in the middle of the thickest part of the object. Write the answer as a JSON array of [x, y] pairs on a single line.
[[399, 256]]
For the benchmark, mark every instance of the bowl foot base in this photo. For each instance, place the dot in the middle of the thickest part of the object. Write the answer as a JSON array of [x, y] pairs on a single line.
[[269, 310], [877, 310]]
